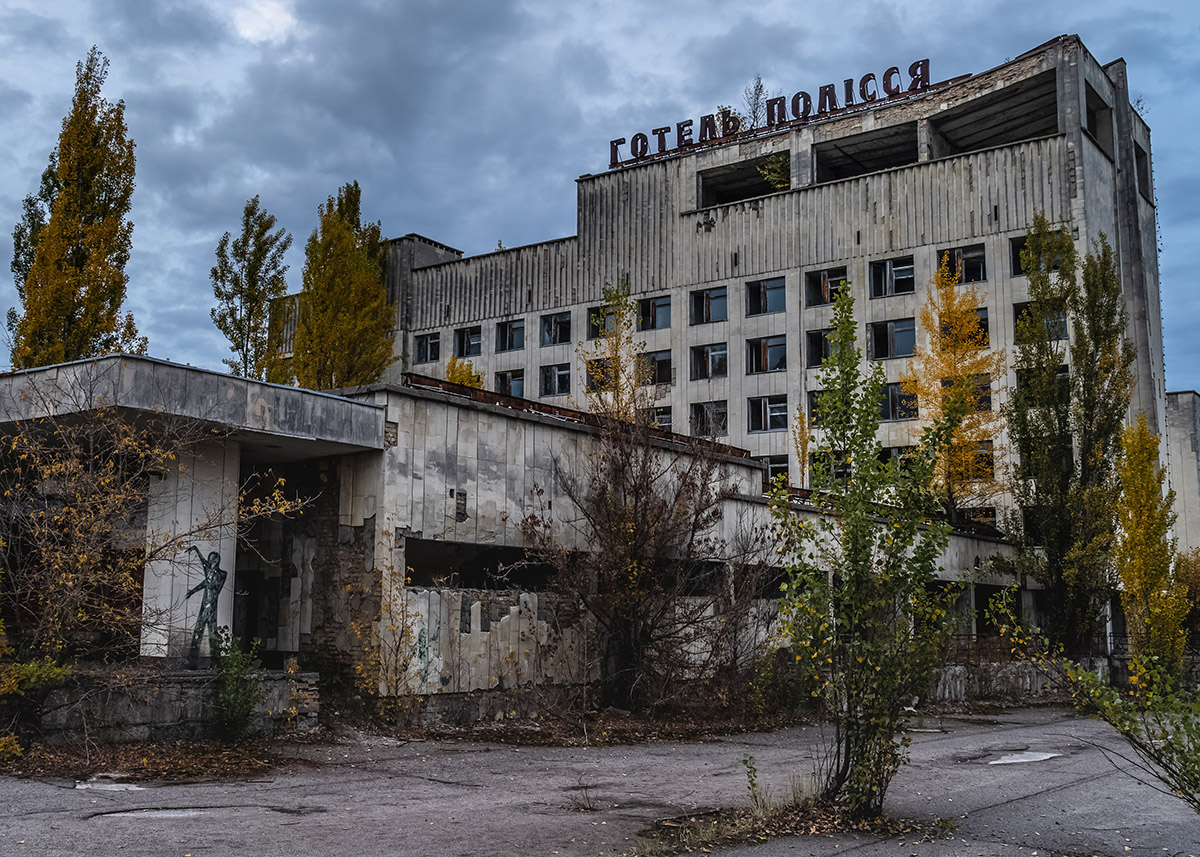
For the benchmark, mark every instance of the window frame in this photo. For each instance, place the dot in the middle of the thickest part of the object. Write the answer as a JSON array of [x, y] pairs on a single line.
[[822, 284], [650, 315], [506, 334], [769, 412], [555, 373], [759, 350], [761, 292], [700, 304], [963, 264], [890, 326], [468, 341], [883, 277], [421, 343], [504, 382], [656, 359], [825, 348], [708, 415], [556, 329], [709, 352], [896, 405]]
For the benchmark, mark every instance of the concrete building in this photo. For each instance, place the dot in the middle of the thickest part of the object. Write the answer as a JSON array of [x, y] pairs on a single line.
[[416, 490], [734, 277]]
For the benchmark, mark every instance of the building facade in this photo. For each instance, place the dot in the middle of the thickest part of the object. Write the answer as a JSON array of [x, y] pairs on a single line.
[[734, 275]]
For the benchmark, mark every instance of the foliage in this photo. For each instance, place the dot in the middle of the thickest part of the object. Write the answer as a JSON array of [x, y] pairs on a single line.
[[651, 572], [463, 372], [239, 685], [23, 687], [953, 371], [384, 629], [76, 479], [72, 244], [249, 274], [1156, 603], [344, 321], [776, 169], [860, 604], [1067, 501], [1160, 723]]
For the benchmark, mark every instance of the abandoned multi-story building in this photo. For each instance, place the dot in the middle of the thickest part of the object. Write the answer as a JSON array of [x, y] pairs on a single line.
[[734, 276]]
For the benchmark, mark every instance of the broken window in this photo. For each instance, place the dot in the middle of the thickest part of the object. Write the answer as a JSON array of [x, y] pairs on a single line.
[[892, 277], [710, 419], [654, 313], [822, 287], [777, 465], [981, 514], [768, 413], [556, 380], [1141, 162], [468, 341], [654, 367], [599, 377], [892, 338], [1053, 391], [1054, 323], [814, 405], [982, 385], [556, 328], [710, 361], [511, 383], [601, 319], [765, 296], [660, 417], [1015, 246], [744, 180], [970, 263], [427, 348], [768, 354], [898, 454], [1099, 121], [977, 466], [896, 404], [510, 335], [816, 347], [709, 305]]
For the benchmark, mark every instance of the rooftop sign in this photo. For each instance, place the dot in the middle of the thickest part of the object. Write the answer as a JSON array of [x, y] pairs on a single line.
[[715, 127]]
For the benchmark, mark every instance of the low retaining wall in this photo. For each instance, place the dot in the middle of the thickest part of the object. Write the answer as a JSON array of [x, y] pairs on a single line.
[[170, 706]]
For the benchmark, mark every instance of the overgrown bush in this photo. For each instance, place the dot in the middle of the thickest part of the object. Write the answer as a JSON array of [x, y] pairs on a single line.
[[239, 685]]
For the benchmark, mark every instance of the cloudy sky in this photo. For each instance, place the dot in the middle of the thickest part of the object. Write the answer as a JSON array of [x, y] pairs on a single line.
[[468, 120]]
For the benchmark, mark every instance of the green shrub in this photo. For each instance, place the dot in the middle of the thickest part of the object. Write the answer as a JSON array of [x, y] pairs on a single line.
[[239, 685]]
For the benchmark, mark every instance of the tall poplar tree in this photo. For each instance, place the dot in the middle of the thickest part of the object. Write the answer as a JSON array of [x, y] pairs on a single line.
[[249, 274], [73, 241], [344, 322]]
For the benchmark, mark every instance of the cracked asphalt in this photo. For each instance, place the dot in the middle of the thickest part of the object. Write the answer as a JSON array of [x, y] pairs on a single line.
[[1030, 781]]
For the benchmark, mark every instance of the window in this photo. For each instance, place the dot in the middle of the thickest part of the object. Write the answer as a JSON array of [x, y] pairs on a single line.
[[601, 319], [892, 338], [556, 328], [599, 374], [976, 466], [1015, 246], [1099, 121], [816, 346], [777, 465], [654, 367], [556, 379], [768, 413], [709, 361], [822, 287], [765, 296], [710, 419], [428, 348], [1141, 162], [898, 454], [813, 404], [895, 404], [969, 262], [983, 391], [892, 277], [981, 514], [511, 383], [709, 305], [768, 354], [468, 341], [1027, 384], [510, 335], [654, 313], [1055, 323], [660, 417], [981, 317]]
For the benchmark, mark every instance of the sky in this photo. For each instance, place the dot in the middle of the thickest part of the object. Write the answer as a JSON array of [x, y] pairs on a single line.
[[468, 121]]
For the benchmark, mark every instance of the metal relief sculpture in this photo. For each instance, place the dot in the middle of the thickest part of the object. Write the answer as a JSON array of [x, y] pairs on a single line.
[[211, 585]]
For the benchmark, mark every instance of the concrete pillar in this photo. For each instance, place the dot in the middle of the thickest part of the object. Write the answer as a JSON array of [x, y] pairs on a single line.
[[193, 506]]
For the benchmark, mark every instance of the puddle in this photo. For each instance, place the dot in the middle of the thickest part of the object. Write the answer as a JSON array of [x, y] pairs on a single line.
[[155, 813], [1021, 758]]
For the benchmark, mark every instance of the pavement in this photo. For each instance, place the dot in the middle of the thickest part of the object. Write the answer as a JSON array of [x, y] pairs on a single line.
[[1032, 782]]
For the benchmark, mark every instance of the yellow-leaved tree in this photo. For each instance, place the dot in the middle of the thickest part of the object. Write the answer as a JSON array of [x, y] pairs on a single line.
[[1156, 601], [344, 320], [463, 372], [73, 242], [953, 371]]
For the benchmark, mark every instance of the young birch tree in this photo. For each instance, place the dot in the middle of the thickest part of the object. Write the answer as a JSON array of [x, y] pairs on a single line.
[[859, 605], [954, 371]]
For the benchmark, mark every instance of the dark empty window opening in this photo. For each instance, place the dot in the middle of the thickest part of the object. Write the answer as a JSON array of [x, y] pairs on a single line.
[[1054, 322], [510, 335], [1141, 162], [710, 419], [870, 152], [816, 347], [893, 277], [777, 465], [511, 383], [654, 313], [1016, 246], [709, 305], [428, 348], [813, 405], [1017, 111], [1099, 121], [768, 354], [455, 565], [710, 361], [895, 404], [765, 296], [892, 338], [601, 319], [654, 367], [556, 328], [768, 413], [733, 183], [556, 380], [969, 263], [468, 341], [599, 376], [822, 287]]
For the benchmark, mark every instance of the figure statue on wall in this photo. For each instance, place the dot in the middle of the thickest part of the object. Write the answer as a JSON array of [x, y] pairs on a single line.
[[211, 585]]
